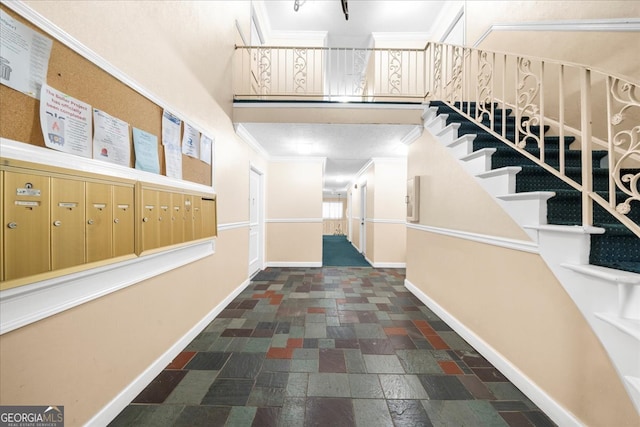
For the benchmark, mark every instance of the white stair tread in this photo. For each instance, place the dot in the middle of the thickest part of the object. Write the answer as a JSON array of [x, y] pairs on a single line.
[[576, 229], [530, 195], [500, 171], [628, 326], [610, 274], [448, 128], [478, 153]]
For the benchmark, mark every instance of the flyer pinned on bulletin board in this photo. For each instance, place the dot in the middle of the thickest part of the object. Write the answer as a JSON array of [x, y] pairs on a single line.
[[65, 122]]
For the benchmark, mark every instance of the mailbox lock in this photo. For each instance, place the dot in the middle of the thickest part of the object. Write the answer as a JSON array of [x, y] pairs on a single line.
[[12, 225], [90, 222], [57, 223], [145, 219], [116, 220]]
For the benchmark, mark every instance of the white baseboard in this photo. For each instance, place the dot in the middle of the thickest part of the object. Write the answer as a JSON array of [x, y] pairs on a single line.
[[113, 408], [293, 264], [389, 264], [553, 409]]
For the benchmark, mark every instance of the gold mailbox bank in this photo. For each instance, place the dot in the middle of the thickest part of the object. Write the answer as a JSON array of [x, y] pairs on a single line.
[[58, 221]]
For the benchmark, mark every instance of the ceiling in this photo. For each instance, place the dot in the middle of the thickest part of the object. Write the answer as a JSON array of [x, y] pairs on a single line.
[[346, 147]]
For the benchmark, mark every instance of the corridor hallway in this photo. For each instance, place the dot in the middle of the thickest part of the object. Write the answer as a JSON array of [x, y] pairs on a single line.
[[333, 346]]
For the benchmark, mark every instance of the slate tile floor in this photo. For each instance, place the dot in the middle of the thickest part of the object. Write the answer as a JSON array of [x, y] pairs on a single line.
[[335, 346]]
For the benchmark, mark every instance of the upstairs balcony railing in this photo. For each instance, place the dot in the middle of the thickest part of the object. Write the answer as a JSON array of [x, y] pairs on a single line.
[[601, 110]]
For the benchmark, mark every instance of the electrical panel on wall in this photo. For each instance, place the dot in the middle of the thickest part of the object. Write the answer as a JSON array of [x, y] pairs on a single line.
[[413, 199]]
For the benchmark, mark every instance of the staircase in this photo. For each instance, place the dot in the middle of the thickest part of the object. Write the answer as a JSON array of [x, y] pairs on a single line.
[[599, 266]]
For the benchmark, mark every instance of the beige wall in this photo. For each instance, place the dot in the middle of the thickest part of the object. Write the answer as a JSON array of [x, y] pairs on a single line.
[[508, 298], [84, 357], [385, 181], [615, 52], [294, 211]]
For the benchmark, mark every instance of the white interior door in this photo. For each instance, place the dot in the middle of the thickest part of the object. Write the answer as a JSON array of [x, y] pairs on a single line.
[[363, 216], [256, 248]]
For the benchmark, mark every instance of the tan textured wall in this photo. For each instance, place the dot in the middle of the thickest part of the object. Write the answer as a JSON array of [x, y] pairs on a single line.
[[447, 192], [508, 298], [612, 51], [390, 243], [513, 302], [82, 358], [294, 242], [294, 194]]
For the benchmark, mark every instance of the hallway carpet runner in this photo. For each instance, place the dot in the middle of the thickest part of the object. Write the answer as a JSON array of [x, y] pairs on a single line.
[[618, 247], [338, 252], [332, 347]]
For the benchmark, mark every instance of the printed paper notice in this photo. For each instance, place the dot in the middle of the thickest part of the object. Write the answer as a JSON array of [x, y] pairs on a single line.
[[111, 139], [173, 160], [191, 141], [24, 56], [206, 149], [146, 148], [65, 121], [170, 129]]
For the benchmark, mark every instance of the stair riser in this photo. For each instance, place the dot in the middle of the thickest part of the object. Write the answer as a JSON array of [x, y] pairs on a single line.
[[627, 248]]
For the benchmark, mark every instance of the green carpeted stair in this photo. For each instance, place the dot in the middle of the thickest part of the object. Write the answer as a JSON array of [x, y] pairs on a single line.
[[618, 247]]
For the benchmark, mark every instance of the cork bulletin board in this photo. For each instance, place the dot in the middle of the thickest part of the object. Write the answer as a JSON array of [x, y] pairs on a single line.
[[78, 77]]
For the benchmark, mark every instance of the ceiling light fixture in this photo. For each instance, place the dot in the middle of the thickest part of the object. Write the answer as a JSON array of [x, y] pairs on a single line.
[[297, 4], [345, 9]]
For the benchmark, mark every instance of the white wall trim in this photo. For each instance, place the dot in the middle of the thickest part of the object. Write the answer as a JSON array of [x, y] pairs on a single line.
[[386, 221], [294, 220], [389, 264], [26, 304], [587, 25], [246, 136], [65, 38], [113, 408], [519, 245], [553, 409], [414, 134], [16, 150], [233, 225], [294, 263], [453, 24], [325, 104]]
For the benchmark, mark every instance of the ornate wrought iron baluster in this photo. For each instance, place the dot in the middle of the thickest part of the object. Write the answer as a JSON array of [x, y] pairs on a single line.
[[528, 89]]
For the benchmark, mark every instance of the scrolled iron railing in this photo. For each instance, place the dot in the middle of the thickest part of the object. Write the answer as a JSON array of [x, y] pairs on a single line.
[[600, 110]]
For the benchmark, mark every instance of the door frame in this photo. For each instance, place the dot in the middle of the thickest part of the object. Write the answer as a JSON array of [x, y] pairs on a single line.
[[363, 218], [260, 223]]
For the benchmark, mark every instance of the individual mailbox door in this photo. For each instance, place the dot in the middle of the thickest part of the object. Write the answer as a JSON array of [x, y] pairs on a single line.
[[149, 219], [99, 222], [177, 218], [26, 225], [67, 223], [197, 217], [188, 217], [164, 219], [123, 220], [208, 217]]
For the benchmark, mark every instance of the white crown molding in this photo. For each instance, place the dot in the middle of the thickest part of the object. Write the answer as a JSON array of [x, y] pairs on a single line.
[[414, 134], [586, 25], [550, 407], [294, 220], [65, 38], [232, 225], [453, 24], [519, 245], [111, 410], [30, 153], [26, 304], [246, 136]]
